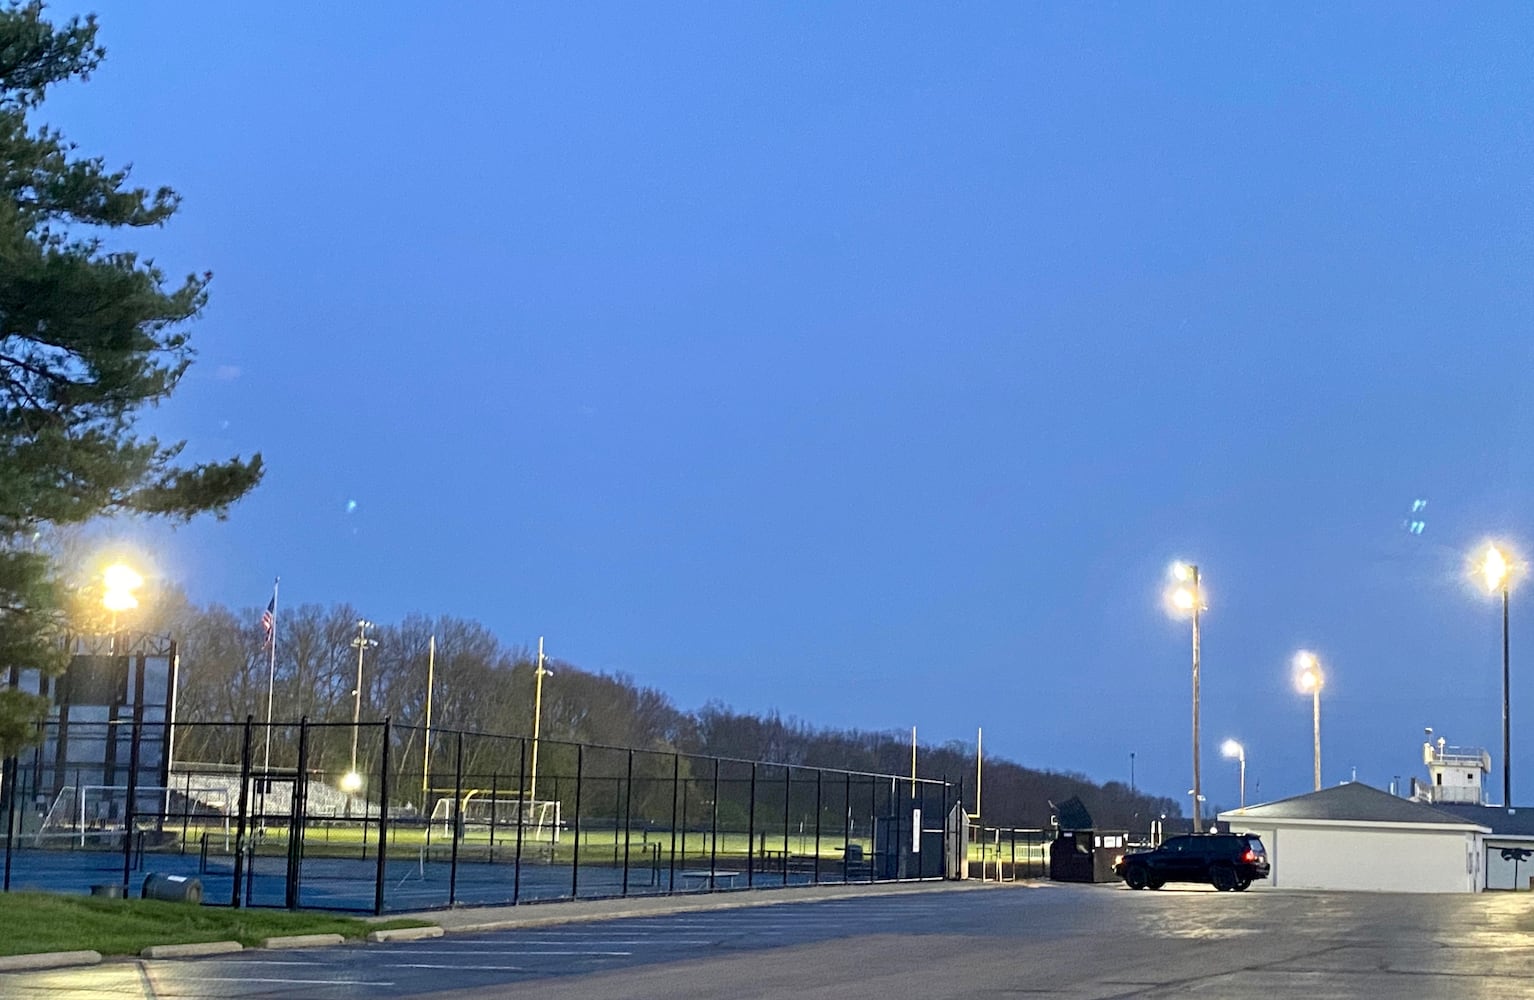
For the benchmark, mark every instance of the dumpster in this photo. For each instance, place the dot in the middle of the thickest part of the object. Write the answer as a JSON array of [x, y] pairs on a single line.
[[1086, 855]]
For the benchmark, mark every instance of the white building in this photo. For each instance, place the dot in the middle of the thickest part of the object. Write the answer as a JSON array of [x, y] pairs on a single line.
[[1356, 837], [1454, 774]]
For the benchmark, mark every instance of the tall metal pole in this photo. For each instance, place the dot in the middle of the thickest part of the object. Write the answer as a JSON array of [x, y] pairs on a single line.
[[1243, 779], [532, 793], [1198, 789], [979, 771], [1316, 713], [361, 643], [271, 679], [1507, 739], [913, 762], [431, 669]]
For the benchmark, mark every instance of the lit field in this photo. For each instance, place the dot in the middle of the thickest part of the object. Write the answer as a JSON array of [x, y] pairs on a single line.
[[434, 842]]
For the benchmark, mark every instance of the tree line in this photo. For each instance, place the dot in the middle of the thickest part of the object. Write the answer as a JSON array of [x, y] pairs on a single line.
[[481, 685]]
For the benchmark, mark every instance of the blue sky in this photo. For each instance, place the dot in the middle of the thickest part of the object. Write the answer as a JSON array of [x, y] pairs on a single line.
[[873, 365]]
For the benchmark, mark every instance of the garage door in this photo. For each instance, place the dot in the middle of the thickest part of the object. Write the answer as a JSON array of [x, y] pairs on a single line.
[[1381, 860]]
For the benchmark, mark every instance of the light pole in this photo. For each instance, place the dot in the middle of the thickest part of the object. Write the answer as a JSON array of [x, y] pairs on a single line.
[[361, 643], [1187, 598], [119, 581], [1310, 678], [1236, 750], [1498, 574]]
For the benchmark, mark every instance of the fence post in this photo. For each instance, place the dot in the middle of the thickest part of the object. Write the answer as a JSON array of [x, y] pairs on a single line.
[[751, 831], [575, 857], [297, 813], [873, 826], [628, 817], [383, 821], [819, 780], [457, 819], [788, 787], [12, 767], [847, 828], [239, 830], [128, 806], [713, 839], [524, 802], [676, 784]]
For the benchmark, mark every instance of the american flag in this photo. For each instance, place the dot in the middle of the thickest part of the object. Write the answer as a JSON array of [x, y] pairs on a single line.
[[269, 621]]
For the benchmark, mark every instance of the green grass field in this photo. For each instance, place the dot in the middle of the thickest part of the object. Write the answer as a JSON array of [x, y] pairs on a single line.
[[39, 922]]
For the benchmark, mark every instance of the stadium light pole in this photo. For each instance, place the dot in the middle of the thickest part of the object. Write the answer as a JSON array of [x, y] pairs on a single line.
[[1236, 750], [1311, 679], [1186, 598], [1496, 569], [361, 643], [119, 581]]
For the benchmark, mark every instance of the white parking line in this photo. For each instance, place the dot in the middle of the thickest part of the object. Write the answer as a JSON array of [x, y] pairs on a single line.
[[518, 952], [293, 982], [631, 940], [458, 968]]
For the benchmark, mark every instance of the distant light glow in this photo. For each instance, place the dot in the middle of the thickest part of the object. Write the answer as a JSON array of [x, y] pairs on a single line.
[[1182, 572], [1494, 568], [1308, 676], [1231, 748], [351, 781], [120, 581], [1183, 598]]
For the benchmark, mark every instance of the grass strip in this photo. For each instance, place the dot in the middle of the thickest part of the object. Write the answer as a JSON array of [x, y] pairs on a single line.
[[41, 922]]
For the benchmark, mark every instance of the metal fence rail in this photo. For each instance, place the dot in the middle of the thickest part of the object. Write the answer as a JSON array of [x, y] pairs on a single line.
[[379, 817]]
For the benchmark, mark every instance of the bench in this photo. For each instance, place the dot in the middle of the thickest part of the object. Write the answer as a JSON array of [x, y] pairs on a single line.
[[700, 877]]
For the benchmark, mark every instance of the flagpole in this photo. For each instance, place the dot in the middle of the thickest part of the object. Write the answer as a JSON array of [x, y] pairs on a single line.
[[271, 678], [431, 669]]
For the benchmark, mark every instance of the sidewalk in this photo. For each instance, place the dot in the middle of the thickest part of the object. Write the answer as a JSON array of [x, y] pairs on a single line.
[[465, 920]]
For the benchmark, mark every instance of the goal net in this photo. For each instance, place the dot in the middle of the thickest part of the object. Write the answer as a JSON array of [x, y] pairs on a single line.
[[99, 813], [496, 819]]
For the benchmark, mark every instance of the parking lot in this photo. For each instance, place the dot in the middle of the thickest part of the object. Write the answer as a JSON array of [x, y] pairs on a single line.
[[1049, 940]]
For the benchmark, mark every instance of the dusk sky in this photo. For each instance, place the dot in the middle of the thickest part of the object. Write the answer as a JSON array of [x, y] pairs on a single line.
[[873, 363]]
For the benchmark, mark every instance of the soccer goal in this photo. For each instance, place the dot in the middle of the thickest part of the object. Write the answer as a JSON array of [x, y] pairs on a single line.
[[495, 819], [100, 812]]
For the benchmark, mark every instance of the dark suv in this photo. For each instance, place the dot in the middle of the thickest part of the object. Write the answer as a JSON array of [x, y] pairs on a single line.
[[1228, 861]]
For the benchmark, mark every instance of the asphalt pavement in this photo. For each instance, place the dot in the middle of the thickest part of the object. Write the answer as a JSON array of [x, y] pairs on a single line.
[[1046, 940]]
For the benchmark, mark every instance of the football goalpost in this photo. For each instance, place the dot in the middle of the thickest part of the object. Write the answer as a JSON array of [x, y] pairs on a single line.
[[494, 819]]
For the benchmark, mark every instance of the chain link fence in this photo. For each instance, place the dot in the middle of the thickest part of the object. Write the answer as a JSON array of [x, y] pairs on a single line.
[[384, 818]]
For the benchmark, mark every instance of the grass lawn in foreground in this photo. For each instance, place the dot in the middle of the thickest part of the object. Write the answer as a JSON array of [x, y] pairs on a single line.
[[39, 922]]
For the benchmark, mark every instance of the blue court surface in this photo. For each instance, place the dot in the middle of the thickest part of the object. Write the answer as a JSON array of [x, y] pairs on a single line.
[[349, 883]]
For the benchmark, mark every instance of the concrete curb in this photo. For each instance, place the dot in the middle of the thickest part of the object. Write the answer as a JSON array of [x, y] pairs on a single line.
[[49, 960], [657, 906], [303, 941], [404, 934], [191, 950]]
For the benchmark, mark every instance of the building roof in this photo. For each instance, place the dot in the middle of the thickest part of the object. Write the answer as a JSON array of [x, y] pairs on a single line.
[[1503, 822], [1350, 802]]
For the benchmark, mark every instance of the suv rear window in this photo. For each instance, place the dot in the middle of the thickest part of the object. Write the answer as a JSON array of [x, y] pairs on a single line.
[[1254, 844]]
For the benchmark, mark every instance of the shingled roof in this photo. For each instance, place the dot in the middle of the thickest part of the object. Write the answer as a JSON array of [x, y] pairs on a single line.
[[1350, 802], [1503, 822]]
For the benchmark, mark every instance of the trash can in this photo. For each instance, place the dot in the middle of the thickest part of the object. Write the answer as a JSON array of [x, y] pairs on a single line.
[[175, 888]]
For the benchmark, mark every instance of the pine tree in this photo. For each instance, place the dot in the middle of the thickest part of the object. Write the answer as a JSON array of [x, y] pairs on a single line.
[[90, 336]]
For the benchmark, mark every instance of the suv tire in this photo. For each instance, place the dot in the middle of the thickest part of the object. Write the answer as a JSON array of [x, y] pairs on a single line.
[[1136, 877], [1224, 878]]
